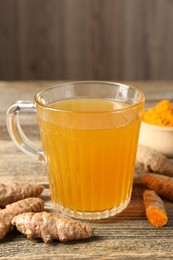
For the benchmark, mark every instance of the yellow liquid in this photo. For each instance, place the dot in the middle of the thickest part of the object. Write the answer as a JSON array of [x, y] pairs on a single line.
[[91, 153]]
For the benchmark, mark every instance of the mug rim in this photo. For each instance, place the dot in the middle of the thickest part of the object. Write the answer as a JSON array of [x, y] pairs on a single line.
[[56, 85]]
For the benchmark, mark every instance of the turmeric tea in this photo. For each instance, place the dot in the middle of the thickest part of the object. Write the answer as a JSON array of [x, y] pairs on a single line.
[[161, 114]]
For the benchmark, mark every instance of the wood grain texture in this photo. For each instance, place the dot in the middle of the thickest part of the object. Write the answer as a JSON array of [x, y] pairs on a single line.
[[88, 39], [128, 235]]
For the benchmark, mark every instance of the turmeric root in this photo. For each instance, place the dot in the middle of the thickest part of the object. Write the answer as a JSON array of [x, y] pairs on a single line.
[[15, 192], [162, 185], [11, 210], [153, 160], [48, 227], [155, 209]]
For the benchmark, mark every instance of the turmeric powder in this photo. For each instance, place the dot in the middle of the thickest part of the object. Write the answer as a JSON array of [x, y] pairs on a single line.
[[48, 227], [155, 209], [153, 160], [18, 191], [162, 185], [11, 210], [161, 114]]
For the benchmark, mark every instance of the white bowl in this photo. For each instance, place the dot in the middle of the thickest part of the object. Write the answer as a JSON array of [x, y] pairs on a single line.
[[159, 138]]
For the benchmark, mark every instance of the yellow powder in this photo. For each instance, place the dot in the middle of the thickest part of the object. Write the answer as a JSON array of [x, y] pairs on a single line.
[[161, 114]]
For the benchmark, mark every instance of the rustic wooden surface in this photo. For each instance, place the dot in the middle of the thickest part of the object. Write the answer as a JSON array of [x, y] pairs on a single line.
[[86, 39], [126, 236]]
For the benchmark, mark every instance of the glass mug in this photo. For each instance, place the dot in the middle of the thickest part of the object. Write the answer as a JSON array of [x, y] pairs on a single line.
[[89, 133]]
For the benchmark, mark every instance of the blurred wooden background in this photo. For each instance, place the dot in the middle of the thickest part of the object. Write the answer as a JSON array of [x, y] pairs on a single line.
[[86, 39]]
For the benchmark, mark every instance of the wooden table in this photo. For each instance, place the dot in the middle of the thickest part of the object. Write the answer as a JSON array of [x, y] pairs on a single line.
[[126, 236]]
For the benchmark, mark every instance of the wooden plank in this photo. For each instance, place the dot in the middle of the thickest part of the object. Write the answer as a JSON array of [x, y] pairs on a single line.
[[9, 52], [43, 41], [88, 39]]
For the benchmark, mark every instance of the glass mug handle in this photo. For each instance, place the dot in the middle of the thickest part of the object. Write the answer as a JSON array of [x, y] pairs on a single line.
[[16, 132]]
